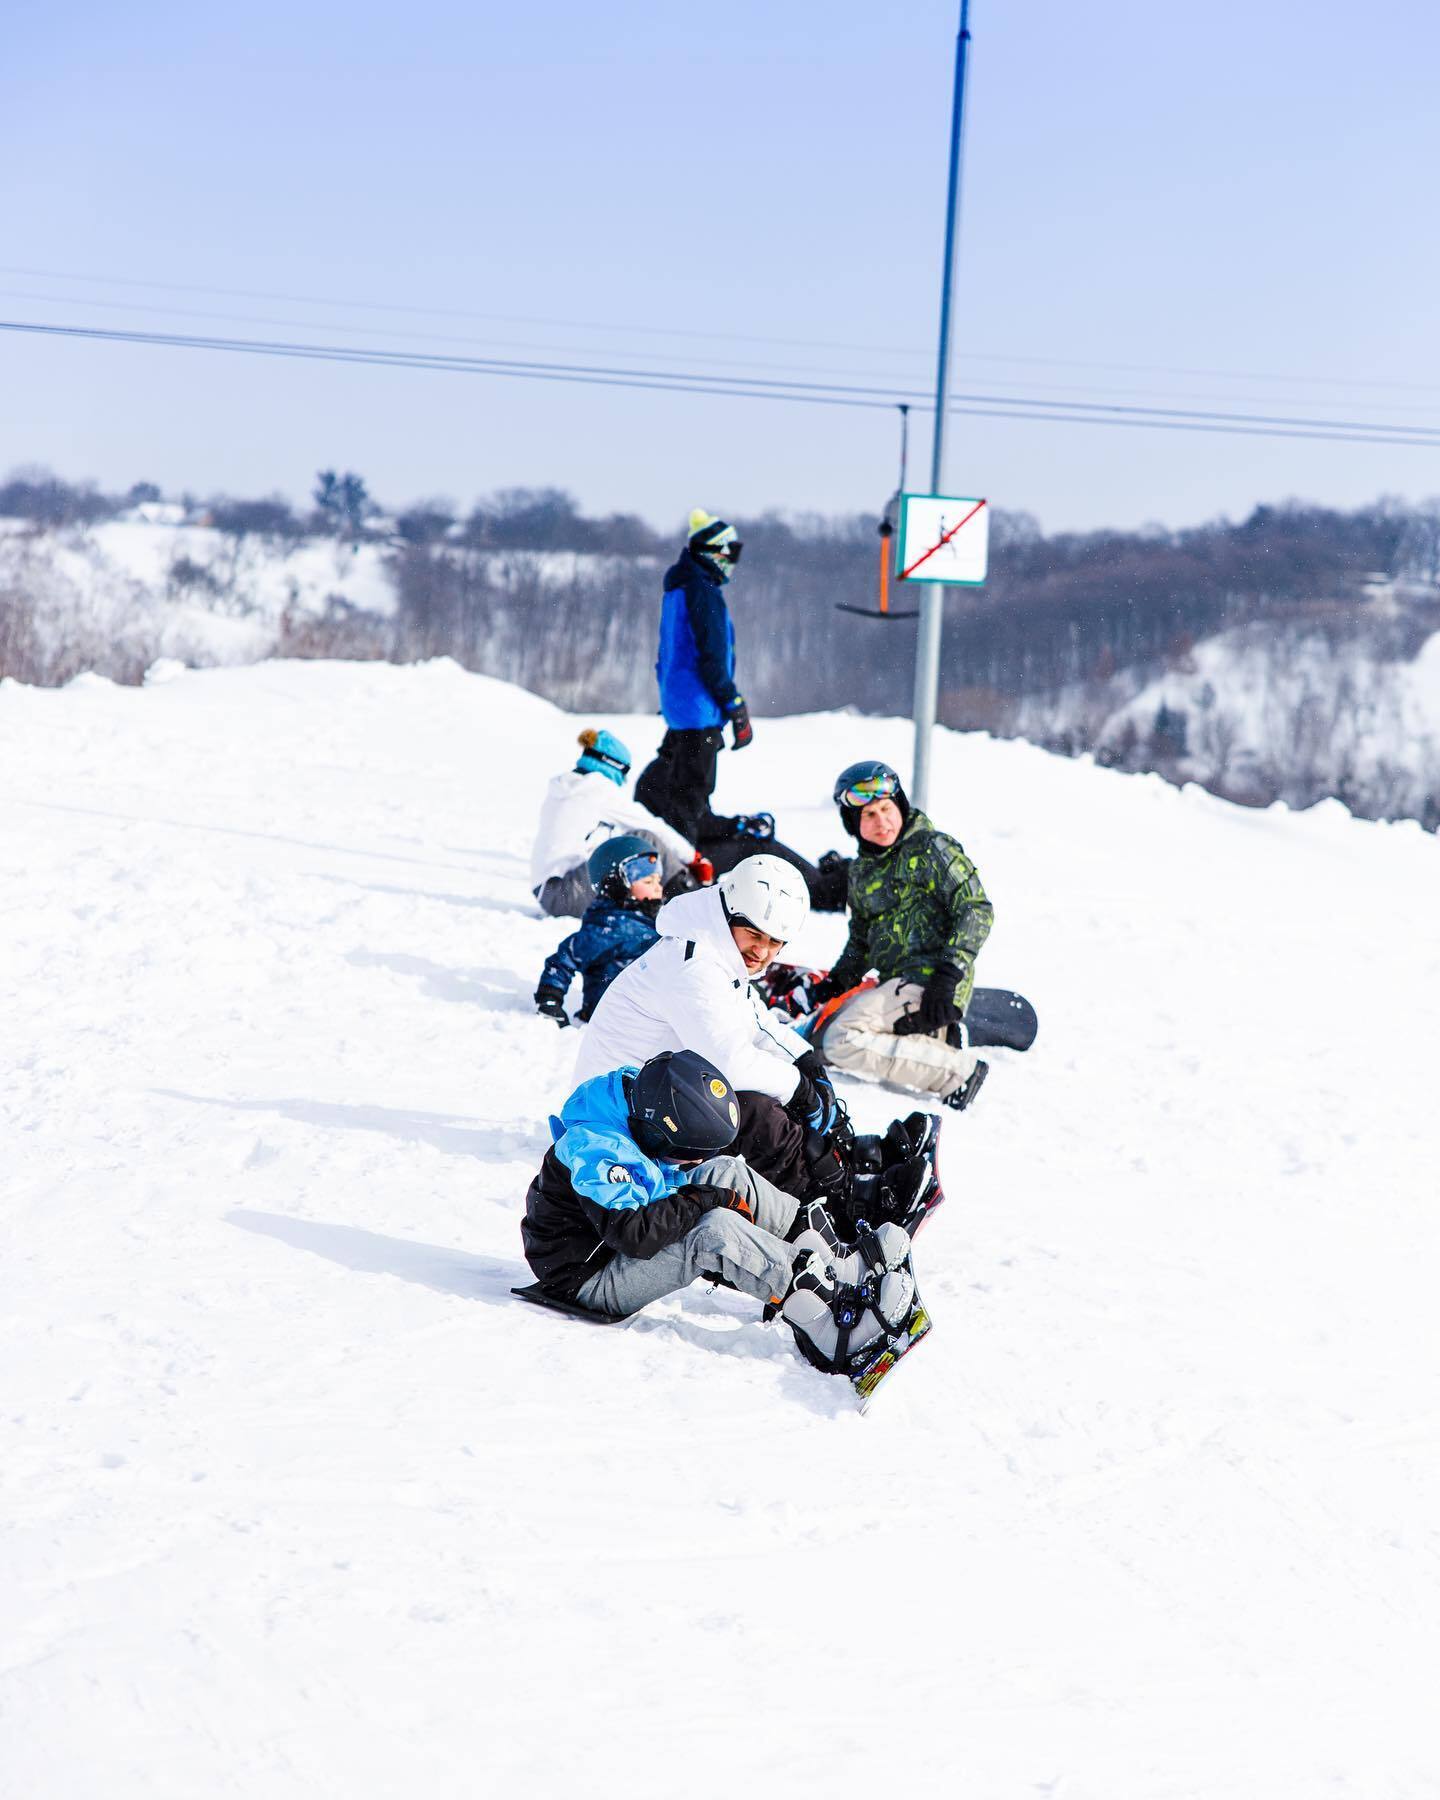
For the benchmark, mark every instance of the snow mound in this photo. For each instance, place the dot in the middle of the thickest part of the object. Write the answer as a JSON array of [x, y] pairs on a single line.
[[299, 1502]]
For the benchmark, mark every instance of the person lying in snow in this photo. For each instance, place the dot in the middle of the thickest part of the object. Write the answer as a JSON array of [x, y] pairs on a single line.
[[692, 990], [637, 1198], [918, 917], [582, 808], [618, 925]]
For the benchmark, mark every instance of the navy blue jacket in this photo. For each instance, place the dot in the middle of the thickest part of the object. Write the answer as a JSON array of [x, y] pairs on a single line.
[[610, 937], [696, 665]]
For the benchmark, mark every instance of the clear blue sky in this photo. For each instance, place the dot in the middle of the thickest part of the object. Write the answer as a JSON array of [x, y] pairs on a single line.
[[1243, 192]]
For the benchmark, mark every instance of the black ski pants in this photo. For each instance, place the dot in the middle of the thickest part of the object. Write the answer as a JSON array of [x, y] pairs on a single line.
[[677, 785], [772, 1143]]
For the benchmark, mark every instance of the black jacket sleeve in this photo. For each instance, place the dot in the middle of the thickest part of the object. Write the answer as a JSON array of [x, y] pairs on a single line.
[[643, 1230], [705, 609]]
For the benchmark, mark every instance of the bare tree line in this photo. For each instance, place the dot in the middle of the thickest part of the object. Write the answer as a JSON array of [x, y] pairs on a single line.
[[527, 588]]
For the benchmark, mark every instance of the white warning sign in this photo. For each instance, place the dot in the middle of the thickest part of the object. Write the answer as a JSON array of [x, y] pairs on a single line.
[[943, 539]]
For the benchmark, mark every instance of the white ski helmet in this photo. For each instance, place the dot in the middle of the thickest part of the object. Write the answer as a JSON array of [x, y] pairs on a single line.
[[768, 893]]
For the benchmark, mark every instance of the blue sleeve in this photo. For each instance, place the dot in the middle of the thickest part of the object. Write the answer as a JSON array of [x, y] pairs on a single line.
[[564, 964], [710, 626], [608, 1170]]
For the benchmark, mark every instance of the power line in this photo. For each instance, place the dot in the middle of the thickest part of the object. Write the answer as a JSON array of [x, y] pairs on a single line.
[[1049, 411], [185, 312], [652, 331]]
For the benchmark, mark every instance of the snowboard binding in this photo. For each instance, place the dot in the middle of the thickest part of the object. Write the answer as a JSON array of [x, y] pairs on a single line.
[[845, 1310]]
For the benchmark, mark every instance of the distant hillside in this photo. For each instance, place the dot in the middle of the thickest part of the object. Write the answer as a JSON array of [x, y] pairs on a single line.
[[1275, 658]]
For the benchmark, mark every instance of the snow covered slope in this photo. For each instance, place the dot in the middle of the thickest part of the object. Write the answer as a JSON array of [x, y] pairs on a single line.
[[298, 1503]]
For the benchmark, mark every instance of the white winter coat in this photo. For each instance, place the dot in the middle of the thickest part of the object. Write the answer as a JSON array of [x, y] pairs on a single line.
[[692, 991], [581, 809]]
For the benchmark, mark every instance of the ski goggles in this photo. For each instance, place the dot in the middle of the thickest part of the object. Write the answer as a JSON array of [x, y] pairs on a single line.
[[729, 551], [610, 762], [637, 868], [870, 787]]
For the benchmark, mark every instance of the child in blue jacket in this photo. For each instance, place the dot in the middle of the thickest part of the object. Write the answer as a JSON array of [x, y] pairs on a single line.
[[617, 926]]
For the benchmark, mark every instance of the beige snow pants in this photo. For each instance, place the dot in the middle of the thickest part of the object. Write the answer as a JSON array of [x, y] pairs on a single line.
[[861, 1040]]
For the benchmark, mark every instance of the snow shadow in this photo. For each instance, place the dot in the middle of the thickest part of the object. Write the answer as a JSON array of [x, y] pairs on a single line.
[[530, 911], [439, 1130], [444, 1271], [236, 831], [746, 1339], [469, 987]]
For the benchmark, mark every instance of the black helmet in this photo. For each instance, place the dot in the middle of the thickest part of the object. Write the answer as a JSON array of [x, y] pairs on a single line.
[[682, 1108], [862, 782]]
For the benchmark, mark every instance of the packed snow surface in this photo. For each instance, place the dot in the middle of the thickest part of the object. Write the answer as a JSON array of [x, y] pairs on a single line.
[[297, 1501]]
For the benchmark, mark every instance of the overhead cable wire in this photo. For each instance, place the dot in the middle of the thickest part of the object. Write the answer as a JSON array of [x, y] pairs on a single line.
[[650, 331], [1048, 393], [766, 388]]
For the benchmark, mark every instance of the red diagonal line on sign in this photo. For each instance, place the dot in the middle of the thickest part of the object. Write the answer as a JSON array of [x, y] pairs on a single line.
[[905, 574]]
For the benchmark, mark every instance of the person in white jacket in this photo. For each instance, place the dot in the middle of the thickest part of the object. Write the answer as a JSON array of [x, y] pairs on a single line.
[[692, 991], [582, 808]]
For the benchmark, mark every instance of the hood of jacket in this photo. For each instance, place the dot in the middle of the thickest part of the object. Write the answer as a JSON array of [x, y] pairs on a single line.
[[600, 1104], [688, 568], [700, 916]]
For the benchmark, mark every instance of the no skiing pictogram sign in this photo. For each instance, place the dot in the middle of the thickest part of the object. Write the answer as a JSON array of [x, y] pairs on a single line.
[[943, 538]]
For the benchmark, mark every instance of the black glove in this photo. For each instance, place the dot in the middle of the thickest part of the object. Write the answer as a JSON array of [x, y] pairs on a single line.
[[813, 1104], [551, 1002], [755, 825], [711, 1197], [937, 1010], [739, 716], [681, 882]]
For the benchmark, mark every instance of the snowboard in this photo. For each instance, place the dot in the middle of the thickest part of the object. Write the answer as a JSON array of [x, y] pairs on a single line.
[[536, 1296], [866, 1381], [997, 1017]]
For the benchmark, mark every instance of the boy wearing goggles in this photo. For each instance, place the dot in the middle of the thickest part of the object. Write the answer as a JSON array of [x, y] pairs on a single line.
[[617, 926]]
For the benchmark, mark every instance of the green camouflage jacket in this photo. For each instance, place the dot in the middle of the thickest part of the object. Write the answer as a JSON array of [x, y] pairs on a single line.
[[915, 906]]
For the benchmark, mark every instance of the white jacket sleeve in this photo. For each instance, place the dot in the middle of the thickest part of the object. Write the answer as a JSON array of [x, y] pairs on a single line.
[[712, 1016]]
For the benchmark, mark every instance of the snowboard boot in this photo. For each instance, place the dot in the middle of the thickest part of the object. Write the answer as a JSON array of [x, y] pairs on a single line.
[[905, 1192], [914, 1135], [816, 1245], [965, 1096], [844, 1308]]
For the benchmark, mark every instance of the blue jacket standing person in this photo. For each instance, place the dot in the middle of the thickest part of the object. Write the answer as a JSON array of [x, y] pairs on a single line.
[[698, 695]]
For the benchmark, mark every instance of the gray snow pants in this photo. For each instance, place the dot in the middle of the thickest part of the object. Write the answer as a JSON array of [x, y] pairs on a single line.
[[566, 896], [753, 1257], [861, 1040]]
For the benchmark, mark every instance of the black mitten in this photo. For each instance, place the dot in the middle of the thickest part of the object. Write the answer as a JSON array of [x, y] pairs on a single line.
[[937, 1008]]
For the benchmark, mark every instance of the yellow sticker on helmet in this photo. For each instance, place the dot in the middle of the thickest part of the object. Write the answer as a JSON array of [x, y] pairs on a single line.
[[719, 1089]]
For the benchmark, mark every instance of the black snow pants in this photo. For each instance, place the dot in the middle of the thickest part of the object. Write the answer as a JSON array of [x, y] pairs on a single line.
[[677, 785], [772, 1143]]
